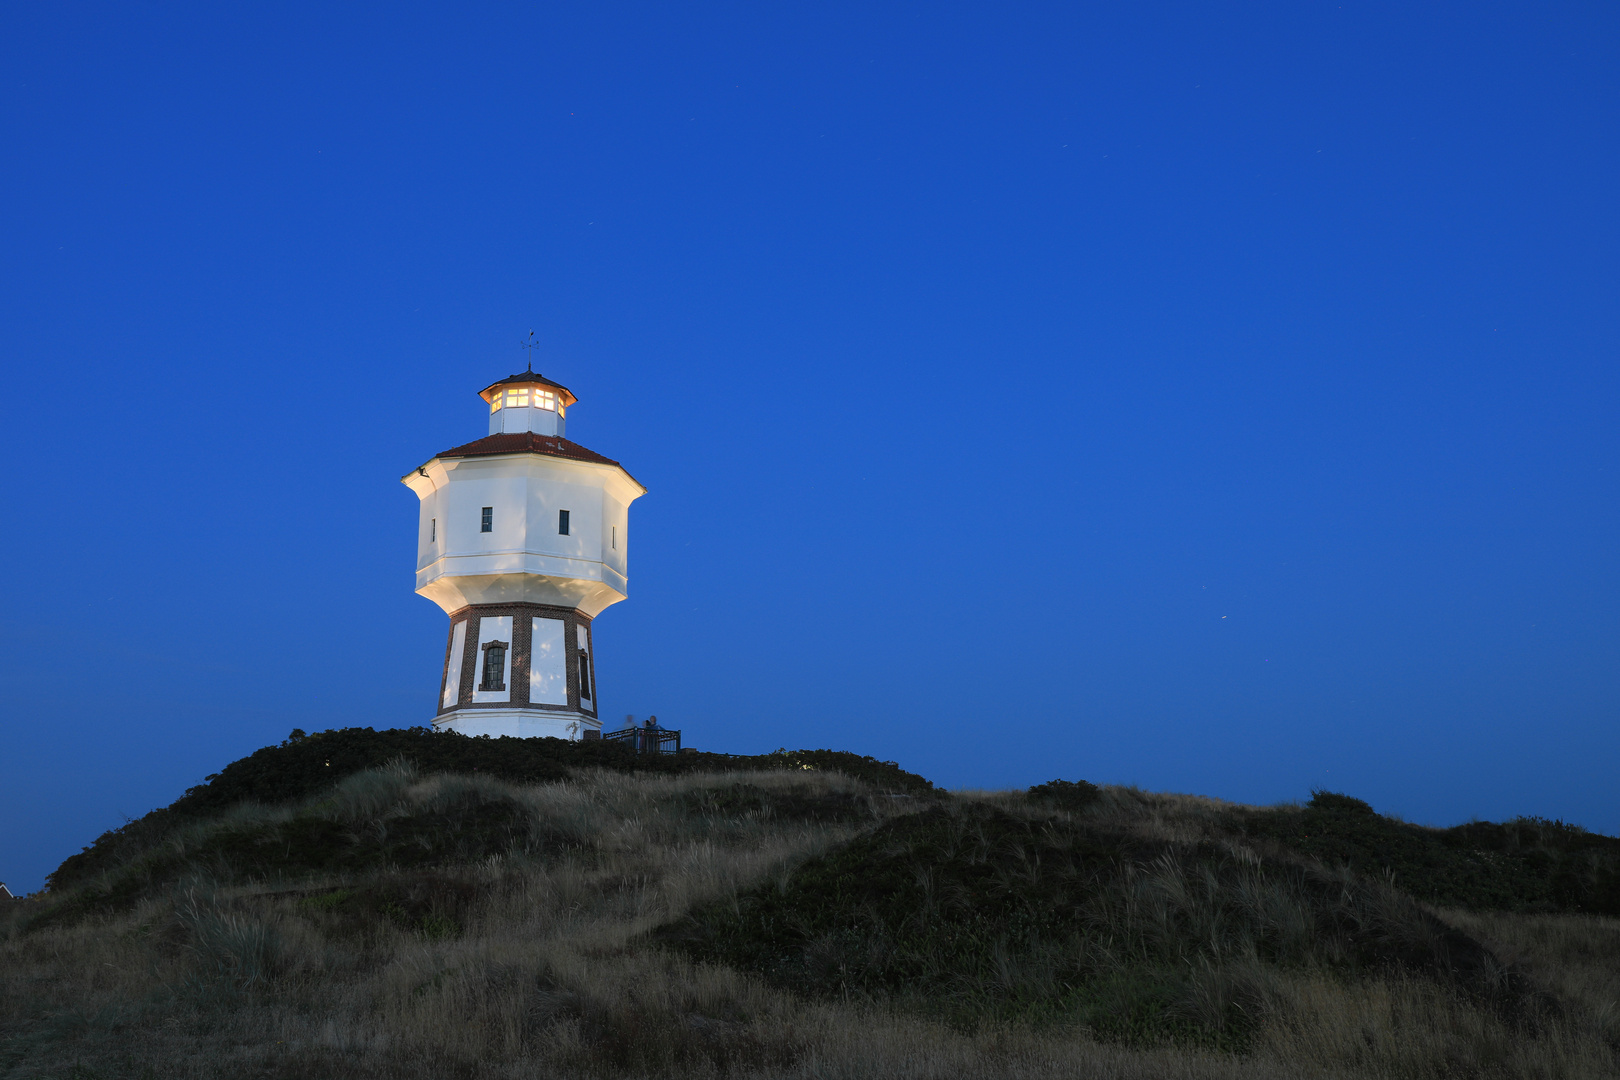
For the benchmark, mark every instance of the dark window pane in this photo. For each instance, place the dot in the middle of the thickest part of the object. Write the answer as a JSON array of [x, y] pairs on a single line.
[[489, 520], [562, 522], [494, 666], [585, 678]]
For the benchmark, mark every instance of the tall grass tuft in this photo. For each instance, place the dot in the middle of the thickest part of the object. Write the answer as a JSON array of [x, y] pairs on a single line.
[[233, 945]]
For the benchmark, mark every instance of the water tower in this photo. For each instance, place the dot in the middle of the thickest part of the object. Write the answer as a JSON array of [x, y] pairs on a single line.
[[522, 542]]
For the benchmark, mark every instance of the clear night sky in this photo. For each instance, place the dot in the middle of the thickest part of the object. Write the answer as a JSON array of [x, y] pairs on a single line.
[[1210, 400]]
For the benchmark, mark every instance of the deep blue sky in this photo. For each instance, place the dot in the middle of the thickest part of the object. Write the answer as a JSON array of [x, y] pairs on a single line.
[[1207, 397]]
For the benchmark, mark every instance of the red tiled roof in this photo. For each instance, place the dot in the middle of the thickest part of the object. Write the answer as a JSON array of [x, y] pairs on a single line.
[[529, 442]]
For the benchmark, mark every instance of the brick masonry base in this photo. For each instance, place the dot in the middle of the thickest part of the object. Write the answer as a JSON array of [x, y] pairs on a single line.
[[517, 716]]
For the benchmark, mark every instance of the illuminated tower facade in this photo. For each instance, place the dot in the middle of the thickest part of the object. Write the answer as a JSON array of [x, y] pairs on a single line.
[[522, 541]]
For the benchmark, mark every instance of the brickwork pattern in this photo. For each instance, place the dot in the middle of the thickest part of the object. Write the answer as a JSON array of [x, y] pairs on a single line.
[[522, 635]]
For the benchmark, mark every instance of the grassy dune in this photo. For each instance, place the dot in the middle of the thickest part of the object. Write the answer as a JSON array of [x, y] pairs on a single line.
[[439, 908]]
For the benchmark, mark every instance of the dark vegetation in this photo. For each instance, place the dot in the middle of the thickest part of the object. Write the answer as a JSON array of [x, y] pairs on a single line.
[[434, 905], [976, 912], [463, 827], [1529, 864], [750, 800], [307, 765], [1065, 794]]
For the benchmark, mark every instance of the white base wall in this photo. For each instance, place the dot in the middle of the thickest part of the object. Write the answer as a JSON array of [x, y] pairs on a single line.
[[520, 723]]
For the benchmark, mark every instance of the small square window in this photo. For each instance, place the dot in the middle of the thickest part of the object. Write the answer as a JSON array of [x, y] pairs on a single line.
[[562, 523], [488, 524]]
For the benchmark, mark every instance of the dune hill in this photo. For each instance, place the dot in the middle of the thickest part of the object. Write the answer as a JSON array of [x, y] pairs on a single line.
[[403, 903]]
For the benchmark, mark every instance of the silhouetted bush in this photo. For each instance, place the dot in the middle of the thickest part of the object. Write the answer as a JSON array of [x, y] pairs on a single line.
[[1332, 800], [1065, 794]]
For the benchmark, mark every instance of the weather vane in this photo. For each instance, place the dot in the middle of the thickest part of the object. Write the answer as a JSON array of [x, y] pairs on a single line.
[[528, 348]]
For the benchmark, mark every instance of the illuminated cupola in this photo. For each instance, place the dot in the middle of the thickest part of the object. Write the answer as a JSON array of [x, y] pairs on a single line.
[[522, 541], [528, 402]]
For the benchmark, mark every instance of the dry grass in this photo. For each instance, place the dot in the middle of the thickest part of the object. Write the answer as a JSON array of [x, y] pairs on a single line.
[[1576, 957], [534, 965]]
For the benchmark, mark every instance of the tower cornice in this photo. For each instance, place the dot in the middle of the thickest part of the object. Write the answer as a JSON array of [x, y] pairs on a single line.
[[525, 442]]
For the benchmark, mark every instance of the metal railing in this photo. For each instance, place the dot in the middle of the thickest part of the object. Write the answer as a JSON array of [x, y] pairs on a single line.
[[647, 740]]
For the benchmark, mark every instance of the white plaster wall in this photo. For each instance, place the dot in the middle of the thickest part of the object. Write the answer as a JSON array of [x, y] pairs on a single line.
[[429, 541], [615, 516], [493, 628], [519, 723], [464, 500], [452, 669], [548, 663], [531, 585], [524, 558], [584, 505], [540, 421]]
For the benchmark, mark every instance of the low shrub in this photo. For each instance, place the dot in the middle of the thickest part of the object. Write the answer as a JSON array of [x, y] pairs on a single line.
[[1528, 864], [751, 800], [1066, 794], [1344, 804], [435, 905]]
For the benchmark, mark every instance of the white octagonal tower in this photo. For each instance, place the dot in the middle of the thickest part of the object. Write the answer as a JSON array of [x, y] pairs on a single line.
[[522, 542]]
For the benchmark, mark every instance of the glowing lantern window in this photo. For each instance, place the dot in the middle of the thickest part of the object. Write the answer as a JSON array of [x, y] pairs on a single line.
[[524, 397]]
